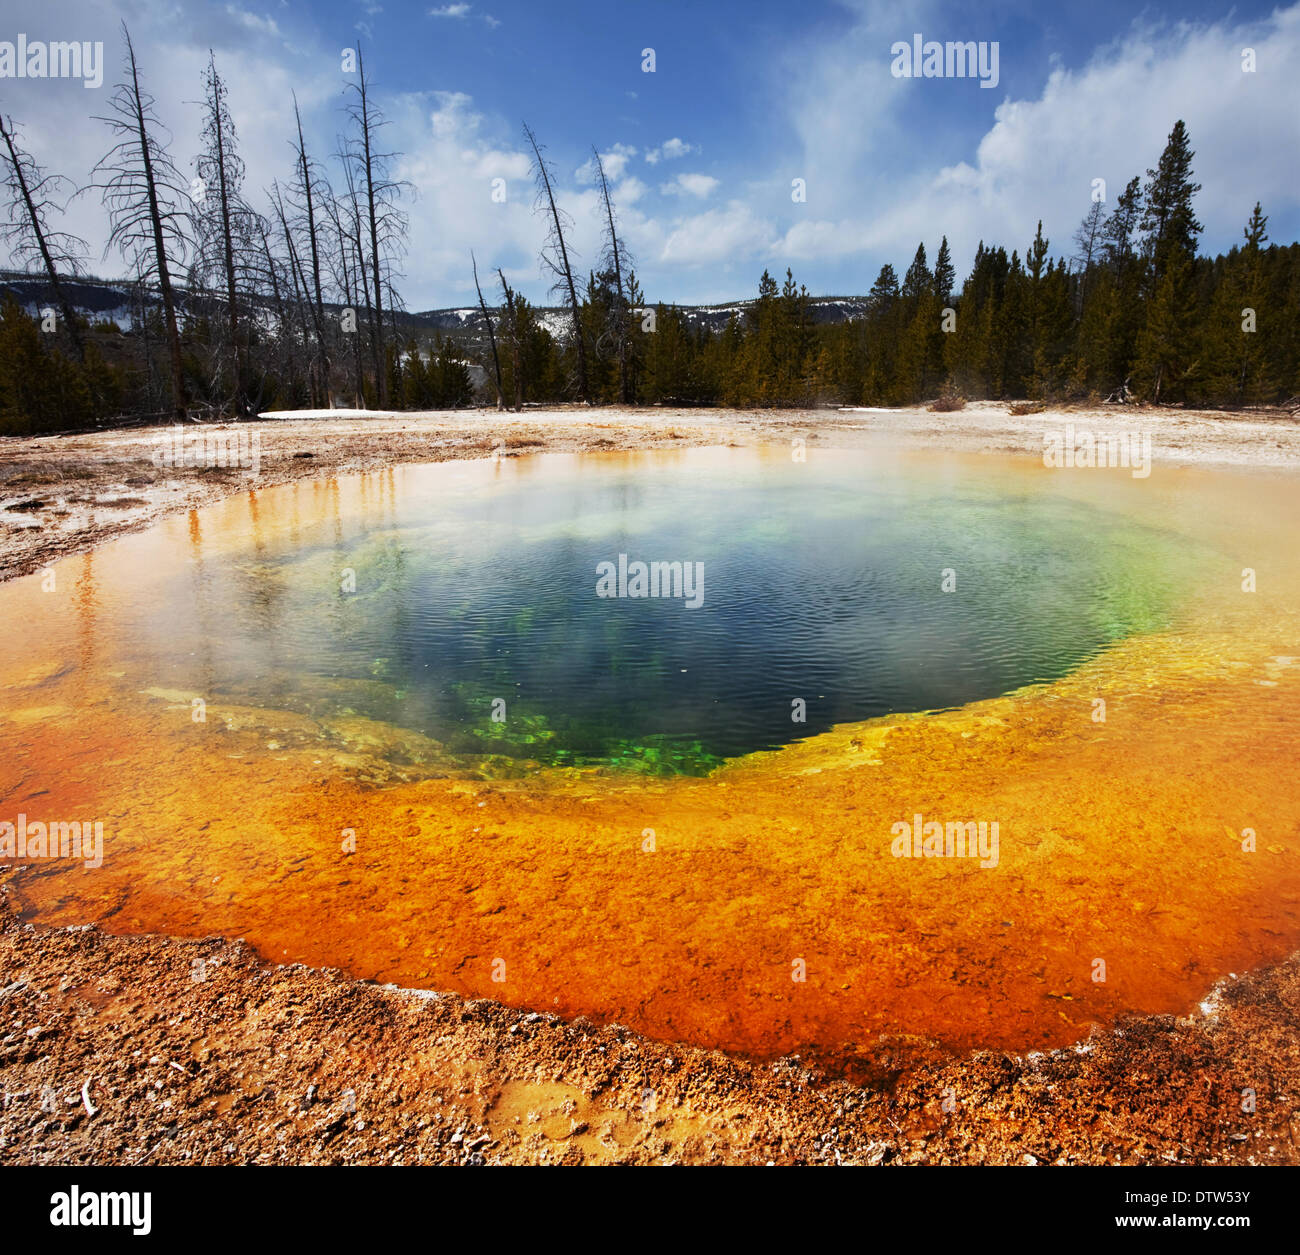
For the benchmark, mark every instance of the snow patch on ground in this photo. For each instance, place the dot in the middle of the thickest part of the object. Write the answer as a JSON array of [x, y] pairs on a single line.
[[556, 322], [327, 414]]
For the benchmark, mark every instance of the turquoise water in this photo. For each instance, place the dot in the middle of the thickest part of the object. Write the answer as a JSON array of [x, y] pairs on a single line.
[[853, 585]]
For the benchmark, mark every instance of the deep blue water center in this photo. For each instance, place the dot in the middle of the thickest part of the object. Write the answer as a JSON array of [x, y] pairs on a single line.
[[854, 585]]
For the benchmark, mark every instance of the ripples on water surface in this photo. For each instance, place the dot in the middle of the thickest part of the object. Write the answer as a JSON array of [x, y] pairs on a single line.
[[823, 584]]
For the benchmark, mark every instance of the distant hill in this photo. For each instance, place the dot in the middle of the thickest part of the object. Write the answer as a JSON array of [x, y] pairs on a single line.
[[98, 299], [468, 319], [101, 300]]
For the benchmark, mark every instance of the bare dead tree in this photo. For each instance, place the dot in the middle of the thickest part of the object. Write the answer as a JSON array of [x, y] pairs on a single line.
[[386, 223], [345, 273], [511, 324], [307, 191], [614, 258], [1088, 240], [268, 278], [350, 222], [555, 252], [338, 257], [269, 274], [1121, 395], [492, 337], [302, 299], [27, 231], [226, 230], [147, 202]]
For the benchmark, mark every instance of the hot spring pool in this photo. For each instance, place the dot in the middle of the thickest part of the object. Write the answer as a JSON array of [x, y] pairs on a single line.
[[467, 603], [389, 723]]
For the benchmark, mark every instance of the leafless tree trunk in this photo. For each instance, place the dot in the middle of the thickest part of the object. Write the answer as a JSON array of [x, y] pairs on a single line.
[[1087, 239], [302, 297], [221, 164], [362, 283], [27, 232], [386, 223], [621, 304], [346, 279], [272, 279], [140, 318], [516, 364], [558, 257], [306, 188], [143, 192], [496, 360], [367, 169], [271, 271]]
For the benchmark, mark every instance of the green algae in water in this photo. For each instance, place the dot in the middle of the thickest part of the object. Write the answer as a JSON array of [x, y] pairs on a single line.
[[474, 621]]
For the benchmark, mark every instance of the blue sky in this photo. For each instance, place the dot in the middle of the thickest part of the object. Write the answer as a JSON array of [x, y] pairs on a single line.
[[745, 98]]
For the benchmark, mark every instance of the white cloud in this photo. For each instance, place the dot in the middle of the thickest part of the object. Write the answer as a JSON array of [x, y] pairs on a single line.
[[629, 191], [733, 233], [1107, 119], [260, 72], [615, 162], [669, 150], [452, 152], [844, 105], [700, 185], [847, 127], [264, 25], [1111, 120]]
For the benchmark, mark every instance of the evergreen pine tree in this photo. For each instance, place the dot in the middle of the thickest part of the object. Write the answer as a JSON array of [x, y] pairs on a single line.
[[1170, 228], [944, 274], [918, 277]]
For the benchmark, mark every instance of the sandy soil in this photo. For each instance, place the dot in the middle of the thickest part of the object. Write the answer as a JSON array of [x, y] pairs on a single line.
[[158, 1050], [61, 495]]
